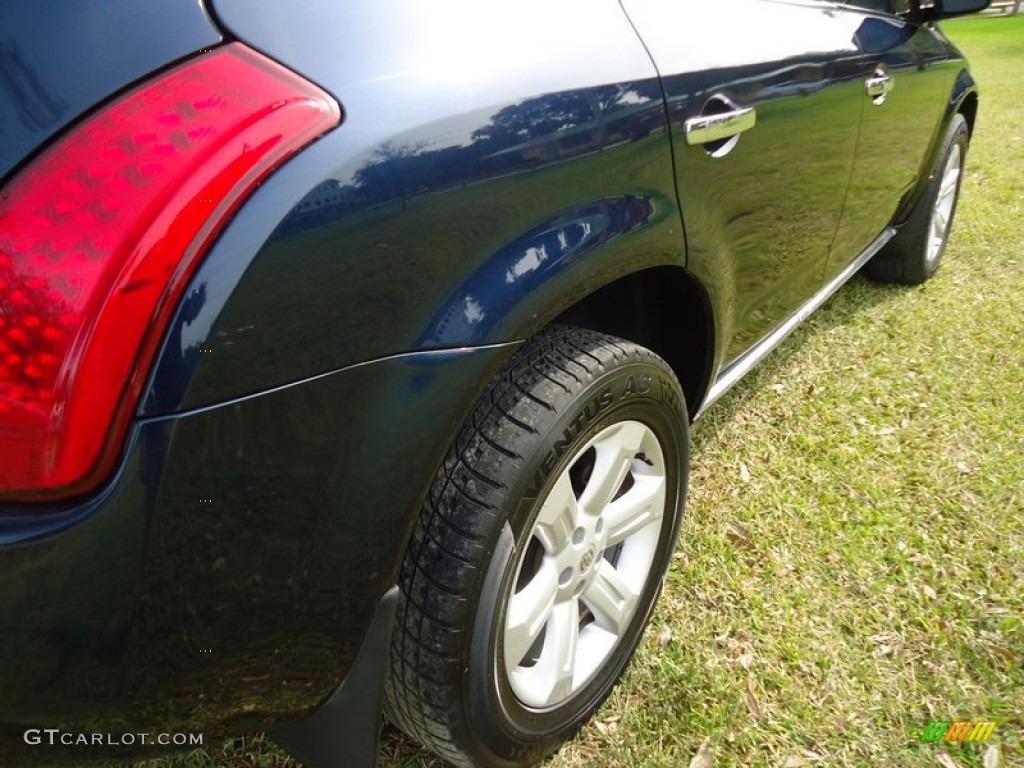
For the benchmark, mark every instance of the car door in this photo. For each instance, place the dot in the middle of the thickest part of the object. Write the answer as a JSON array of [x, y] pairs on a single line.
[[907, 77], [760, 210]]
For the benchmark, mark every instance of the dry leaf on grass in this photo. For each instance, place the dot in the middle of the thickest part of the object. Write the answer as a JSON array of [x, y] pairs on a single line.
[[607, 725], [1006, 653], [746, 660], [946, 760], [703, 757], [993, 757], [737, 534], [752, 703]]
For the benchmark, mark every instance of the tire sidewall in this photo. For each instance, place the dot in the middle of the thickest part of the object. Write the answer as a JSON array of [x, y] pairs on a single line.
[[956, 134], [504, 729], [904, 259]]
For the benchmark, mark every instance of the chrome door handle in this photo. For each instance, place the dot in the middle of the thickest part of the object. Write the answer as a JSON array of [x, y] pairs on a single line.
[[708, 128], [879, 85]]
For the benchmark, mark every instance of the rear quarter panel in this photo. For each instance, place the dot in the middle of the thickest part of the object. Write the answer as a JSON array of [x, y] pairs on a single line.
[[494, 165]]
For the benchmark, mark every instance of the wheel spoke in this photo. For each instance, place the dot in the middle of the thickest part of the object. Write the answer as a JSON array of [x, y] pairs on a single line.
[[528, 611], [575, 598], [557, 517], [612, 463], [611, 598], [642, 505], [560, 645], [949, 182]]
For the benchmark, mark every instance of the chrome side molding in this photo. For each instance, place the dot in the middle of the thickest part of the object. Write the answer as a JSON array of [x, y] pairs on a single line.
[[739, 367]]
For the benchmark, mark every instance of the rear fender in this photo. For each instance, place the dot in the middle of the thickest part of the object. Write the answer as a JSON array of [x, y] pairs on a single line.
[[413, 249]]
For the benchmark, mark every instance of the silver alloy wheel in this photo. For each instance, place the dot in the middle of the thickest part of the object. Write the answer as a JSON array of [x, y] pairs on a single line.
[[942, 212], [585, 564]]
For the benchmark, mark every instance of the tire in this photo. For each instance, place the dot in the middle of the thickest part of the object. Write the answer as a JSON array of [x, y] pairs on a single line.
[[914, 254], [524, 594]]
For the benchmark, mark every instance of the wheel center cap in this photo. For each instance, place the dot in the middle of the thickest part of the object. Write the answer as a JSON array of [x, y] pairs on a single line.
[[587, 560]]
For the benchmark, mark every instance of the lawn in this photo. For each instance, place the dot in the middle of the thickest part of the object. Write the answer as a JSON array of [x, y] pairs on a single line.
[[852, 563]]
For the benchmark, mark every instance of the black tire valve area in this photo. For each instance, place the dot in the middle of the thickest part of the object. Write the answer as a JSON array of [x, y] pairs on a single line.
[[561, 497]]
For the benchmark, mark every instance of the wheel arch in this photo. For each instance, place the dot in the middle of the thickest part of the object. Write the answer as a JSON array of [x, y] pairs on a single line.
[[968, 107], [636, 307], [964, 101]]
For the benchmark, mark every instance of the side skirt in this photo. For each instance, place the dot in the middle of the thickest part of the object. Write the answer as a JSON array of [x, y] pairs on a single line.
[[739, 368]]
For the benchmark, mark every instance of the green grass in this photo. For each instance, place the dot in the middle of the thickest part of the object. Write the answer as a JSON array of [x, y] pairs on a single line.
[[852, 563]]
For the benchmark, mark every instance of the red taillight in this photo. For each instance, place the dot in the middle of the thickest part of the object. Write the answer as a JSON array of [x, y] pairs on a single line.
[[98, 238]]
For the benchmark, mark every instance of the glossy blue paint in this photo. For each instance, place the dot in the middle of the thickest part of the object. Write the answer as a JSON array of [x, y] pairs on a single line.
[[898, 134], [476, 309], [233, 564], [447, 161], [496, 168], [58, 60]]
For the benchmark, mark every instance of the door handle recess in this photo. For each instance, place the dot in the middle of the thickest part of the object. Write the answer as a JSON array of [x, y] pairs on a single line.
[[708, 128], [879, 85]]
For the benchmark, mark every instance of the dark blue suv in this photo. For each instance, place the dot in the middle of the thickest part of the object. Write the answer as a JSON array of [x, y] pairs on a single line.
[[348, 350]]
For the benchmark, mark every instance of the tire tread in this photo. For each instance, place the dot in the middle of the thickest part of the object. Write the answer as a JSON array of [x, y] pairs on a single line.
[[422, 683]]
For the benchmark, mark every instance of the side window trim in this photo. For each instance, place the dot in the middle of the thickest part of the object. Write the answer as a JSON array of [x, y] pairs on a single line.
[[897, 8]]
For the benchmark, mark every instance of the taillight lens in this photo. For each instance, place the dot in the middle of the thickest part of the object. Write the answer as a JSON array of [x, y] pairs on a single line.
[[98, 238]]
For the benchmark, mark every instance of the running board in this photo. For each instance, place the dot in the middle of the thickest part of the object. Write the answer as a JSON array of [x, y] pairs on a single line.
[[742, 365]]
